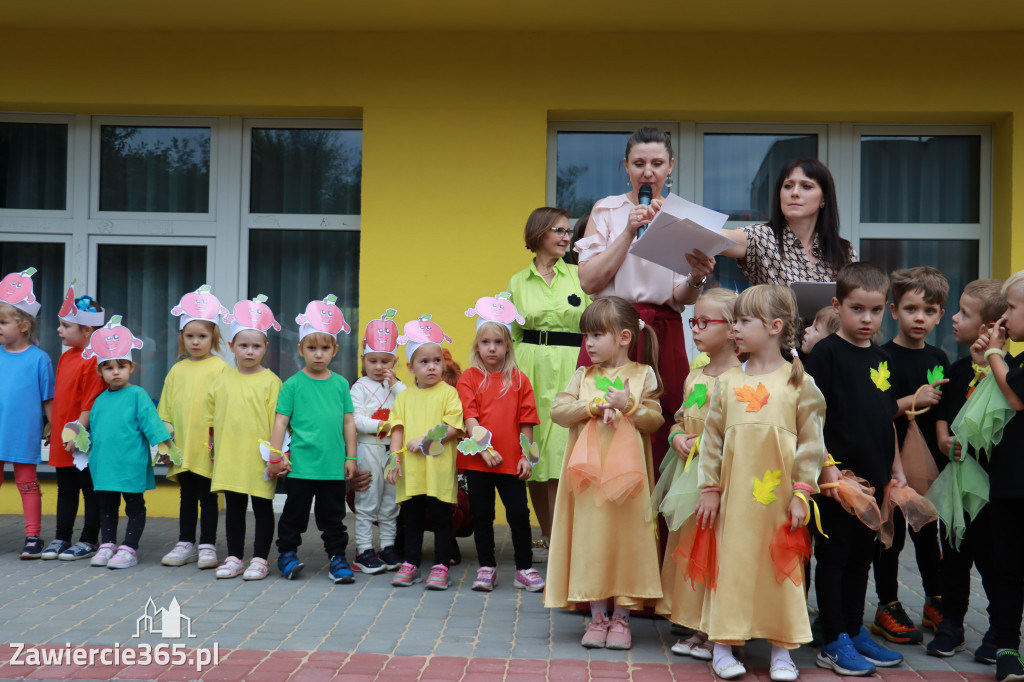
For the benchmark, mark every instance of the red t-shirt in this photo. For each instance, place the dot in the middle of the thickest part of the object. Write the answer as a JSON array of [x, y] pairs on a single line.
[[500, 414], [76, 386]]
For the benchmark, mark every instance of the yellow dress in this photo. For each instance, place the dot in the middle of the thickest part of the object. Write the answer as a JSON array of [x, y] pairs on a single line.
[[418, 410], [182, 403], [608, 549], [758, 424]]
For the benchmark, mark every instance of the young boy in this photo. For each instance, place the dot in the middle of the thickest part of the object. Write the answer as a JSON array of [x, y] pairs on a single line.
[[826, 322], [317, 405], [852, 373], [981, 304], [918, 304]]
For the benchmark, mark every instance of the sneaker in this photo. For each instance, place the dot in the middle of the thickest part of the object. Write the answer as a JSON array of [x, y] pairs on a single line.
[[486, 579], [893, 623], [181, 554], [438, 578], [986, 653], [368, 562], [842, 657], [597, 632], [947, 641], [529, 580], [257, 570], [208, 556], [125, 558], [390, 557], [783, 670], [728, 667], [932, 616], [1009, 666], [33, 548], [407, 575], [231, 568], [103, 554], [79, 550], [540, 551], [289, 565], [340, 571], [875, 652], [54, 549], [619, 637]]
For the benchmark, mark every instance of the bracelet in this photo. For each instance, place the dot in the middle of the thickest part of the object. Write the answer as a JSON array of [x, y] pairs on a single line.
[[209, 447], [802, 487], [631, 410], [698, 285], [811, 510], [995, 351], [829, 461], [275, 461], [711, 489], [351, 459], [672, 436]]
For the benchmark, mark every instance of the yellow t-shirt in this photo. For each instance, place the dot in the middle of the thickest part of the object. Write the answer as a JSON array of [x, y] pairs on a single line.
[[418, 410], [183, 404]]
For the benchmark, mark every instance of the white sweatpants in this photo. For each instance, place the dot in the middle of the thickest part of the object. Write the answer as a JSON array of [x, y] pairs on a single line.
[[376, 503]]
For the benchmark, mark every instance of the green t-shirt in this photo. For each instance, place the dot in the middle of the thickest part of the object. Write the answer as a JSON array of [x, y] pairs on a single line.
[[316, 409]]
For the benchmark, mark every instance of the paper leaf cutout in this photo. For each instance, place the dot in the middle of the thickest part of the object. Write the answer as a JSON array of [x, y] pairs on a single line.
[[698, 396], [880, 376], [530, 450], [756, 398], [171, 449], [74, 431], [80, 460], [936, 373], [431, 444], [604, 383], [479, 441], [764, 486]]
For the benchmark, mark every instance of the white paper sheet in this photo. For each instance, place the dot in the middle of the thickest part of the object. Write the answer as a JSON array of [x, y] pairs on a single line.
[[680, 227]]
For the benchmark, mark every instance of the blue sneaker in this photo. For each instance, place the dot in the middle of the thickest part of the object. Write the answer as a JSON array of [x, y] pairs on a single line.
[[842, 657], [289, 565], [340, 571], [875, 652]]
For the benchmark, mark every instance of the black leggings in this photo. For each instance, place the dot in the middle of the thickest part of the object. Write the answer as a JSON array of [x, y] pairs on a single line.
[[110, 509], [195, 492], [1006, 601], [926, 549], [482, 485], [234, 524], [975, 550], [841, 577], [414, 512], [71, 482]]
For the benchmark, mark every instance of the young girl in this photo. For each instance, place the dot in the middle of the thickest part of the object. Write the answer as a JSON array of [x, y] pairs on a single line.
[[602, 550], [677, 491], [240, 408], [123, 425], [424, 462], [25, 397], [826, 323], [499, 398], [760, 456], [182, 403]]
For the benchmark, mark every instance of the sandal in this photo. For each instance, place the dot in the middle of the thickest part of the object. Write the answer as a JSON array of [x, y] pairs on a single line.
[[231, 568], [257, 570]]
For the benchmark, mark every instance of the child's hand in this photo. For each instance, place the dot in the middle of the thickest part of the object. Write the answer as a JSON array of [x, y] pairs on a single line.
[[930, 393], [707, 509], [946, 442], [360, 480], [830, 474], [415, 445], [389, 377], [683, 443], [491, 458], [163, 459], [900, 479], [276, 469], [393, 474], [618, 397], [524, 468], [69, 446], [350, 469], [797, 512]]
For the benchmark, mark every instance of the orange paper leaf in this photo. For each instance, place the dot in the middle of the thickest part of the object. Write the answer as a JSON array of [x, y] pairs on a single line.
[[756, 398]]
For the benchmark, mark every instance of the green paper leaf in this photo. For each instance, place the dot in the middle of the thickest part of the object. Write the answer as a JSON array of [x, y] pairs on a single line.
[[604, 383], [504, 296], [935, 374], [468, 446], [437, 433], [30, 271], [698, 396], [331, 298], [425, 316], [389, 313], [115, 320]]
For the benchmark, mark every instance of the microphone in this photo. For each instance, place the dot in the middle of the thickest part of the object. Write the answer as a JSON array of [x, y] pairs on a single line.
[[643, 195]]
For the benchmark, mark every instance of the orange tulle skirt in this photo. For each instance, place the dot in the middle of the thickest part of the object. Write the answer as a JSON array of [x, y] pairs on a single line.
[[696, 554], [790, 550], [858, 498], [918, 510], [619, 475]]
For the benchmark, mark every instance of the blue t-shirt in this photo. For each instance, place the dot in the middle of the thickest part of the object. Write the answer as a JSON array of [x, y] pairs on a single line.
[[27, 384], [123, 424], [316, 410]]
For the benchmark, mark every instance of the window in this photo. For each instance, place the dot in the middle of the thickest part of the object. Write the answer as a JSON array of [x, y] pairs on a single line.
[[33, 166], [305, 171], [47, 257]]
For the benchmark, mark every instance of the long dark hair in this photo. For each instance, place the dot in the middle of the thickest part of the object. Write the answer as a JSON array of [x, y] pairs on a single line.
[[835, 250]]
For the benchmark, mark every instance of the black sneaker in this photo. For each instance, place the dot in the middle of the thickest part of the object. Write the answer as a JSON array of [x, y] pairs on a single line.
[[368, 562], [1009, 666], [893, 623], [33, 548], [946, 642], [986, 653], [390, 557]]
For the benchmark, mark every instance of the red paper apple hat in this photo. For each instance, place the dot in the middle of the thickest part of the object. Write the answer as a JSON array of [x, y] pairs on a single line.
[[420, 331], [112, 341], [381, 336], [82, 310], [498, 309], [201, 304], [253, 315], [16, 290], [322, 317]]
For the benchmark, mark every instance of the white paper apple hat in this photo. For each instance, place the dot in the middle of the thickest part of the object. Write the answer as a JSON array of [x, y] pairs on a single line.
[[254, 314], [16, 290], [112, 341], [81, 310], [420, 331], [322, 317], [498, 309], [381, 335], [201, 304]]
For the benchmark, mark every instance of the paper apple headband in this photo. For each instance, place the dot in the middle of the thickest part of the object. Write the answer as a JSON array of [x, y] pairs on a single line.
[[112, 341], [201, 304], [253, 315], [16, 290], [322, 317], [498, 309], [82, 310], [381, 335], [420, 331]]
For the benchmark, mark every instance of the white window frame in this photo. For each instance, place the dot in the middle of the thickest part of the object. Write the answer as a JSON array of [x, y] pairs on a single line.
[[95, 240], [30, 219]]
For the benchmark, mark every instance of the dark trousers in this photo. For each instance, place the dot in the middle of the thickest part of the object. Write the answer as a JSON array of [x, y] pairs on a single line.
[[1006, 599], [134, 510], [237, 504], [887, 561], [414, 512], [841, 577], [955, 574], [482, 485], [328, 511], [195, 493], [70, 483]]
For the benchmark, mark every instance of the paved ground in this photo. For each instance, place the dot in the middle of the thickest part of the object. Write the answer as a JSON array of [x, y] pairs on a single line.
[[315, 630]]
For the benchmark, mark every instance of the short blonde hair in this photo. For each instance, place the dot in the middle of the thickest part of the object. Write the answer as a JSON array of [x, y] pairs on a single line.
[[1014, 280], [829, 319], [320, 337], [726, 300], [19, 316], [767, 302], [990, 297]]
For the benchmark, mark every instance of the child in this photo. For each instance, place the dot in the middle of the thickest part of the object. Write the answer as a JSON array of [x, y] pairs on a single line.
[[240, 410], [602, 549], [712, 334], [498, 397], [918, 304], [182, 403], [25, 398], [77, 384], [123, 425], [316, 404], [853, 375], [373, 398], [424, 462], [826, 322]]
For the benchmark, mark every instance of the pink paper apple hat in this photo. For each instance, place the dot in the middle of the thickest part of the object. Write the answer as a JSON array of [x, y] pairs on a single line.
[[16, 290], [381, 335], [498, 309], [322, 317], [201, 304], [112, 341], [254, 314], [421, 331], [81, 310]]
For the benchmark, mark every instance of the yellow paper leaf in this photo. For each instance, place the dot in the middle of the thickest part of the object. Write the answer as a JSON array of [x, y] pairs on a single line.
[[756, 398], [764, 486], [880, 376]]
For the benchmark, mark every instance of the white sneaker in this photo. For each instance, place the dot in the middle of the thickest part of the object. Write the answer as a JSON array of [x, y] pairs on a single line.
[[103, 554], [125, 558], [182, 553], [208, 556]]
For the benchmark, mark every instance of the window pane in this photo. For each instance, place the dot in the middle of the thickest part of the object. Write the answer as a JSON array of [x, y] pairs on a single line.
[[306, 171], [141, 283], [589, 167], [920, 179], [154, 169], [957, 259], [294, 267], [33, 166], [47, 284]]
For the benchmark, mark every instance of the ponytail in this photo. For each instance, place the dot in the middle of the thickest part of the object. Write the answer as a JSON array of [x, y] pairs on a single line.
[[650, 353]]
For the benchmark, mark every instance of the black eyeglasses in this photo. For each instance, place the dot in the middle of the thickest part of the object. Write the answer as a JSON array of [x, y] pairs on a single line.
[[561, 231], [702, 322]]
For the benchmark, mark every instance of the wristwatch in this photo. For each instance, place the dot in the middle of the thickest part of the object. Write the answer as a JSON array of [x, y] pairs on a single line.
[[698, 285]]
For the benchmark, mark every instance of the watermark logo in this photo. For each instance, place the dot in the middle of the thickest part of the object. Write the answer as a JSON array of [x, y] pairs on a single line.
[[170, 621]]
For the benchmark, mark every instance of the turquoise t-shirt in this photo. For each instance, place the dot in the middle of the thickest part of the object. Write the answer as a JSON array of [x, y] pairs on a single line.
[[123, 424], [316, 409]]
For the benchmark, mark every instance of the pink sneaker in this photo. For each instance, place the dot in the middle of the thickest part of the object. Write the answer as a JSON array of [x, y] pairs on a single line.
[[103, 554], [486, 579], [597, 633], [406, 576], [619, 636], [125, 558], [438, 579], [529, 580]]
